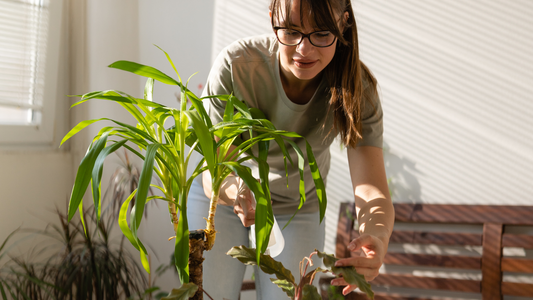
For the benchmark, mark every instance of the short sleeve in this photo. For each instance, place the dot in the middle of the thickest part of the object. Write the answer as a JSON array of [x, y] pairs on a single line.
[[372, 121]]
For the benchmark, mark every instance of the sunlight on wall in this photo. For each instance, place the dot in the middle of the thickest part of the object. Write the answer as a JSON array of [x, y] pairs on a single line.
[[456, 82], [235, 19]]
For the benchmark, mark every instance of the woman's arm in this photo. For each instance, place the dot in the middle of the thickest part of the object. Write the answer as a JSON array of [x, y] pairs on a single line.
[[375, 213]]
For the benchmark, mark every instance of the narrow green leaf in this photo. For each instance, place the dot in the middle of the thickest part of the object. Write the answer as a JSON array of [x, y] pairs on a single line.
[[123, 220], [199, 106], [242, 107], [77, 129], [145, 180], [301, 162], [170, 61], [319, 183], [264, 218], [83, 176], [143, 70], [149, 89], [142, 248], [82, 213], [228, 111], [115, 96], [186, 291], [206, 139], [181, 247], [97, 175]]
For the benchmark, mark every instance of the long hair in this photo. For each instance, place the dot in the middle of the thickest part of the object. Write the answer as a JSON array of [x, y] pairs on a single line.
[[346, 75]]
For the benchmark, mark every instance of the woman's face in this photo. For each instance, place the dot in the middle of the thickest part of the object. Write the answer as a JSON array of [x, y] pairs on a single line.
[[303, 62]]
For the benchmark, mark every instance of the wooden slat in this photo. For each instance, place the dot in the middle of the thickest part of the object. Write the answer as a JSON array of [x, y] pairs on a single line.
[[436, 238], [467, 214], [518, 240], [325, 280], [248, 285], [378, 296], [491, 261], [417, 282], [344, 229], [517, 289], [520, 265], [428, 260]]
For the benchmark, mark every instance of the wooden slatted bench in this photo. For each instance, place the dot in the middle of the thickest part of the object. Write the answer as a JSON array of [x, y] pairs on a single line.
[[436, 226]]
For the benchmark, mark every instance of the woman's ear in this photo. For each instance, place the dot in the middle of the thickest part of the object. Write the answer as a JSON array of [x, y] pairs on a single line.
[[345, 21]]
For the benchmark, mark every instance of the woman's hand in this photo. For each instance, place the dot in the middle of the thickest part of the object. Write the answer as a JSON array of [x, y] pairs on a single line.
[[371, 252], [244, 206]]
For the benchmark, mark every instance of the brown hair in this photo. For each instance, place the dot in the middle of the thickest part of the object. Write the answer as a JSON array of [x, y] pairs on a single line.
[[346, 74]]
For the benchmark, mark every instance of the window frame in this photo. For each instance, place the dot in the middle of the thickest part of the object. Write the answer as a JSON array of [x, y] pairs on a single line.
[[43, 133]]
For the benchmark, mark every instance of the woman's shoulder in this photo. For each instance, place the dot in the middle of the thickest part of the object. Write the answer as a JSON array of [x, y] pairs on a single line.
[[249, 49]]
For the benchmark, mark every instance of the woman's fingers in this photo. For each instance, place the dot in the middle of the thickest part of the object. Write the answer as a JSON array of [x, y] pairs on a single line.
[[371, 251], [244, 209]]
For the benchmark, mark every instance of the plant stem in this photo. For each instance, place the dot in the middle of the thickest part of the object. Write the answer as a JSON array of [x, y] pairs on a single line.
[[173, 215], [210, 228]]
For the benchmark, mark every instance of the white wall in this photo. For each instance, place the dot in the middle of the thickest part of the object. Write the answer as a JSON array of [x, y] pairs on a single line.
[[36, 179]]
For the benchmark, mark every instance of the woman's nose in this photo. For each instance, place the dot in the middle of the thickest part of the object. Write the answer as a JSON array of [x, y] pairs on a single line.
[[305, 47]]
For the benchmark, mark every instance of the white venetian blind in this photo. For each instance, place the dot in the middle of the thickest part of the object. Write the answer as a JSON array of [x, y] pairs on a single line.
[[23, 39]]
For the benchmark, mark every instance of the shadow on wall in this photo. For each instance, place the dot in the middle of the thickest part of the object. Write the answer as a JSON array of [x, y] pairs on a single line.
[[402, 177]]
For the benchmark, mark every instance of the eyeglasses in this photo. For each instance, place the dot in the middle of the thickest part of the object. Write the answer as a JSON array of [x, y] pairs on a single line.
[[291, 37]]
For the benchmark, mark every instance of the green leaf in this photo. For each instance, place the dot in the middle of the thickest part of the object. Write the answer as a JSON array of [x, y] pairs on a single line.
[[83, 176], [286, 286], [77, 129], [228, 111], [97, 175], [206, 139], [145, 179], [123, 220], [181, 247], [143, 70], [149, 89], [348, 273], [267, 264], [309, 292], [319, 183], [186, 291], [302, 182], [264, 217], [241, 107]]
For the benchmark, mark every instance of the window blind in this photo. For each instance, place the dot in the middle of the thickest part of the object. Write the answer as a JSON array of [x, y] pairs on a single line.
[[23, 42]]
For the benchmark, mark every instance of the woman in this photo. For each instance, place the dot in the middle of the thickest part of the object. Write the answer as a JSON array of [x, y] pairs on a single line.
[[306, 78]]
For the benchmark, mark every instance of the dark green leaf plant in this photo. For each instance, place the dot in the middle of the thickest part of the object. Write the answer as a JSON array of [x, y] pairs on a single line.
[[304, 290]]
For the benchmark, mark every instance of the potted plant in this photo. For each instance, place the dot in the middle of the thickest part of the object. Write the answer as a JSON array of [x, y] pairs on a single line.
[[304, 289], [166, 137]]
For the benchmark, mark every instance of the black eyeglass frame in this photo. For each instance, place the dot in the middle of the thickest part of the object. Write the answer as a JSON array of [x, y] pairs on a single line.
[[308, 36]]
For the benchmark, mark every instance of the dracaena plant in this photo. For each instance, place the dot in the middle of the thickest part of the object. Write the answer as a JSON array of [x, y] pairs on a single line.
[[164, 138], [304, 289]]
